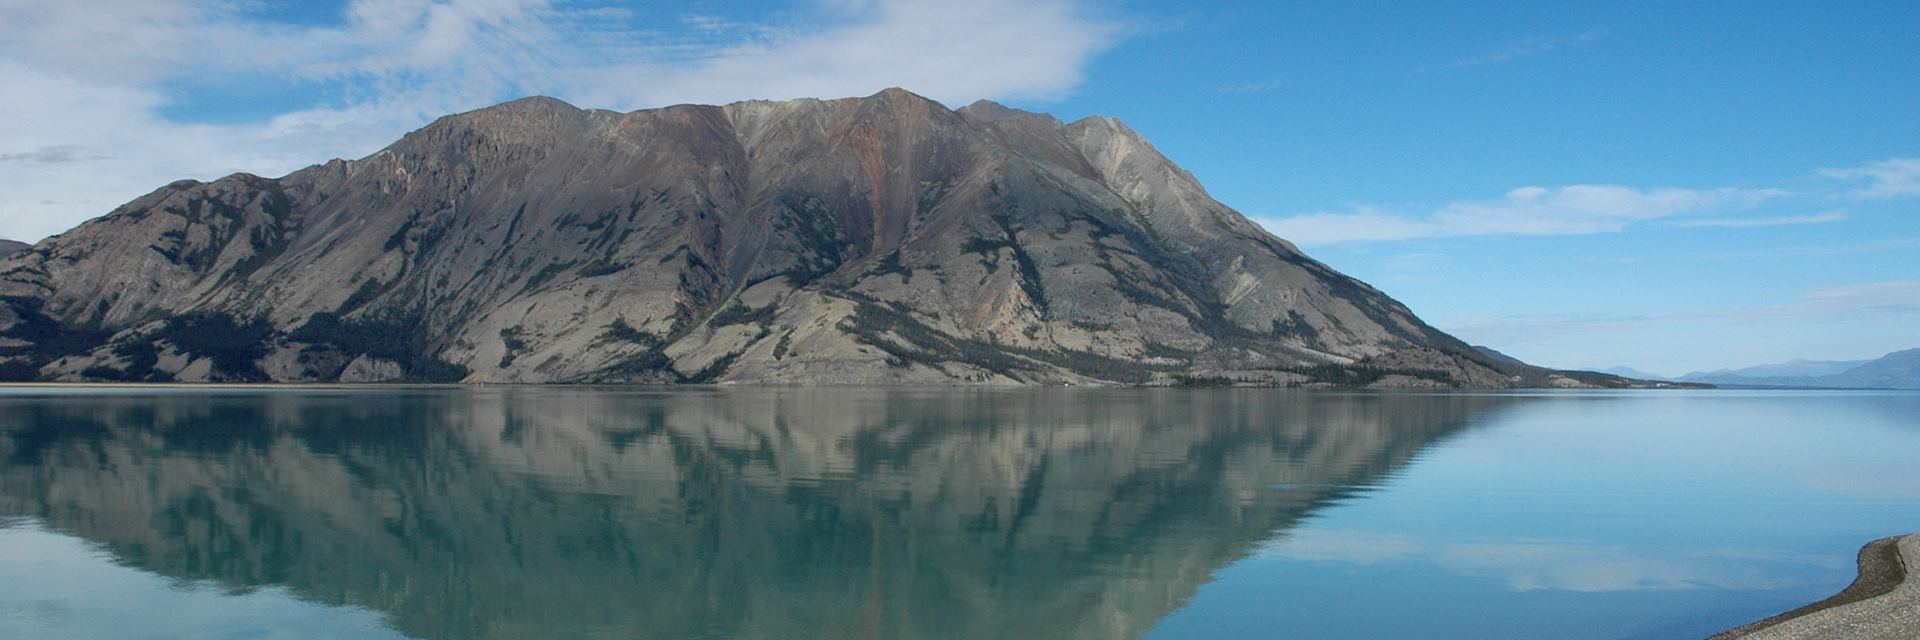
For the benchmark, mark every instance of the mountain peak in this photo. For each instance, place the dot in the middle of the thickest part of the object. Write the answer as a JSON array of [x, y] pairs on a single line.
[[984, 110], [988, 110], [897, 94], [534, 103], [520, 110], [1110, 131], [1110, 123]]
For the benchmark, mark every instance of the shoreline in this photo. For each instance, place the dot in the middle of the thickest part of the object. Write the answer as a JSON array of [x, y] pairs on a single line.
[[1883, 601], [262, 386], [763, 385]]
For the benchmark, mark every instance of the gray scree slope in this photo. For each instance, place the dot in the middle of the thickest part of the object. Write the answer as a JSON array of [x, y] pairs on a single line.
[[885, 239]]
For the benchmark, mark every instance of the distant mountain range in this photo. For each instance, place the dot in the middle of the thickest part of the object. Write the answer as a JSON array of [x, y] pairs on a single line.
[[1630, 372], [10, 247], [1897, 370]]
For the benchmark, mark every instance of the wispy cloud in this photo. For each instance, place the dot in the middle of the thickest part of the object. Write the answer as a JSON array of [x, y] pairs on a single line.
[[1899, 297], [962, 51], [1587, 209], [1891, 178], [94, 79], [1567, 210], [1253, 87], [53, 154], [1529, 46], [1880, 245], [1775, 221]]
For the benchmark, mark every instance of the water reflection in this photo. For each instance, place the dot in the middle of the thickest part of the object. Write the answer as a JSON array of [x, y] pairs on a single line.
[[764, 513], [57, 586], [1548, 564]]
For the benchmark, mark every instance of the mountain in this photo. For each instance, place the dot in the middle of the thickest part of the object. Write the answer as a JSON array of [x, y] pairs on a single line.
[[10, 247], [1497, 357], [1897, 370], [1788, 369], [1630, 372], [885, 239]]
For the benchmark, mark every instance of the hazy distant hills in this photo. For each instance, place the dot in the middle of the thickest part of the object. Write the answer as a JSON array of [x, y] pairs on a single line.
[[1897, 370], [1630, 372], [1789, 369], [10, 247], [885, 239], [1614, 377]]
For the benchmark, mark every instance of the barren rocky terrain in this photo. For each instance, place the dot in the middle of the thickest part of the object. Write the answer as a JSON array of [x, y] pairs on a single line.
[[877, 240]]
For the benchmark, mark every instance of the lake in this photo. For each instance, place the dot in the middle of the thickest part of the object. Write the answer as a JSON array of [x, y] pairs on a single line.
[[529, 512]]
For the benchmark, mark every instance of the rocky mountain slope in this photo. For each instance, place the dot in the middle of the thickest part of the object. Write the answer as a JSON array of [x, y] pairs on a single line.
[[885, 239], [10, 247], [1897, 370]]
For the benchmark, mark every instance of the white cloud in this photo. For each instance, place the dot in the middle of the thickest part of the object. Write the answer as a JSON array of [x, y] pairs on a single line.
[[53, 154], [1893, 178], [1364, 224], [1897, 296], [1528, 46], [129, 150], [1879, 245], [82, 130], [1253, 87], [1010, 48], [1567, 210], [1813, 218], [1588, 209]]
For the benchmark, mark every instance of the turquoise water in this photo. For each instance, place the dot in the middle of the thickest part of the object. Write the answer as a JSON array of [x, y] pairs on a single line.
[[919, 513]]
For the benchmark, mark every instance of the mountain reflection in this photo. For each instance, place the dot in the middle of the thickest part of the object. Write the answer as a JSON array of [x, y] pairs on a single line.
[[747, 513]]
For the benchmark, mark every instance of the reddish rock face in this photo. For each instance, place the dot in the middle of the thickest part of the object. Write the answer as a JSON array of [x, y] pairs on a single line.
[[884, 239]]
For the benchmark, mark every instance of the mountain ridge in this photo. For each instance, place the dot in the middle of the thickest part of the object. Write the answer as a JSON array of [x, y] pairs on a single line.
[[1630, 372], [884, 239], [1896, 370], [1799, 367]]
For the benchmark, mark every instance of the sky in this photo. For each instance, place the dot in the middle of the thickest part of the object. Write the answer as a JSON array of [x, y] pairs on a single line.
[[1667, 186]]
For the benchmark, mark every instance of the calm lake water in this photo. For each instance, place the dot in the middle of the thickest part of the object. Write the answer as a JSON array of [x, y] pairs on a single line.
[[902, 513]]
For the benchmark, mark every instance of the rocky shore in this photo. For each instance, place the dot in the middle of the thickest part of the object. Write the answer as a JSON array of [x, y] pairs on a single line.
[[1882, 603]]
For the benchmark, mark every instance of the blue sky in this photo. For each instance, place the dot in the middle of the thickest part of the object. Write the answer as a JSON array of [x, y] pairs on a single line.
[[1670, 186]]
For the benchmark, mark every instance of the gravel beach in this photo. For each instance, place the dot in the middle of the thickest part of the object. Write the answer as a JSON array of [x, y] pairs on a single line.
[[1882, 603]]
